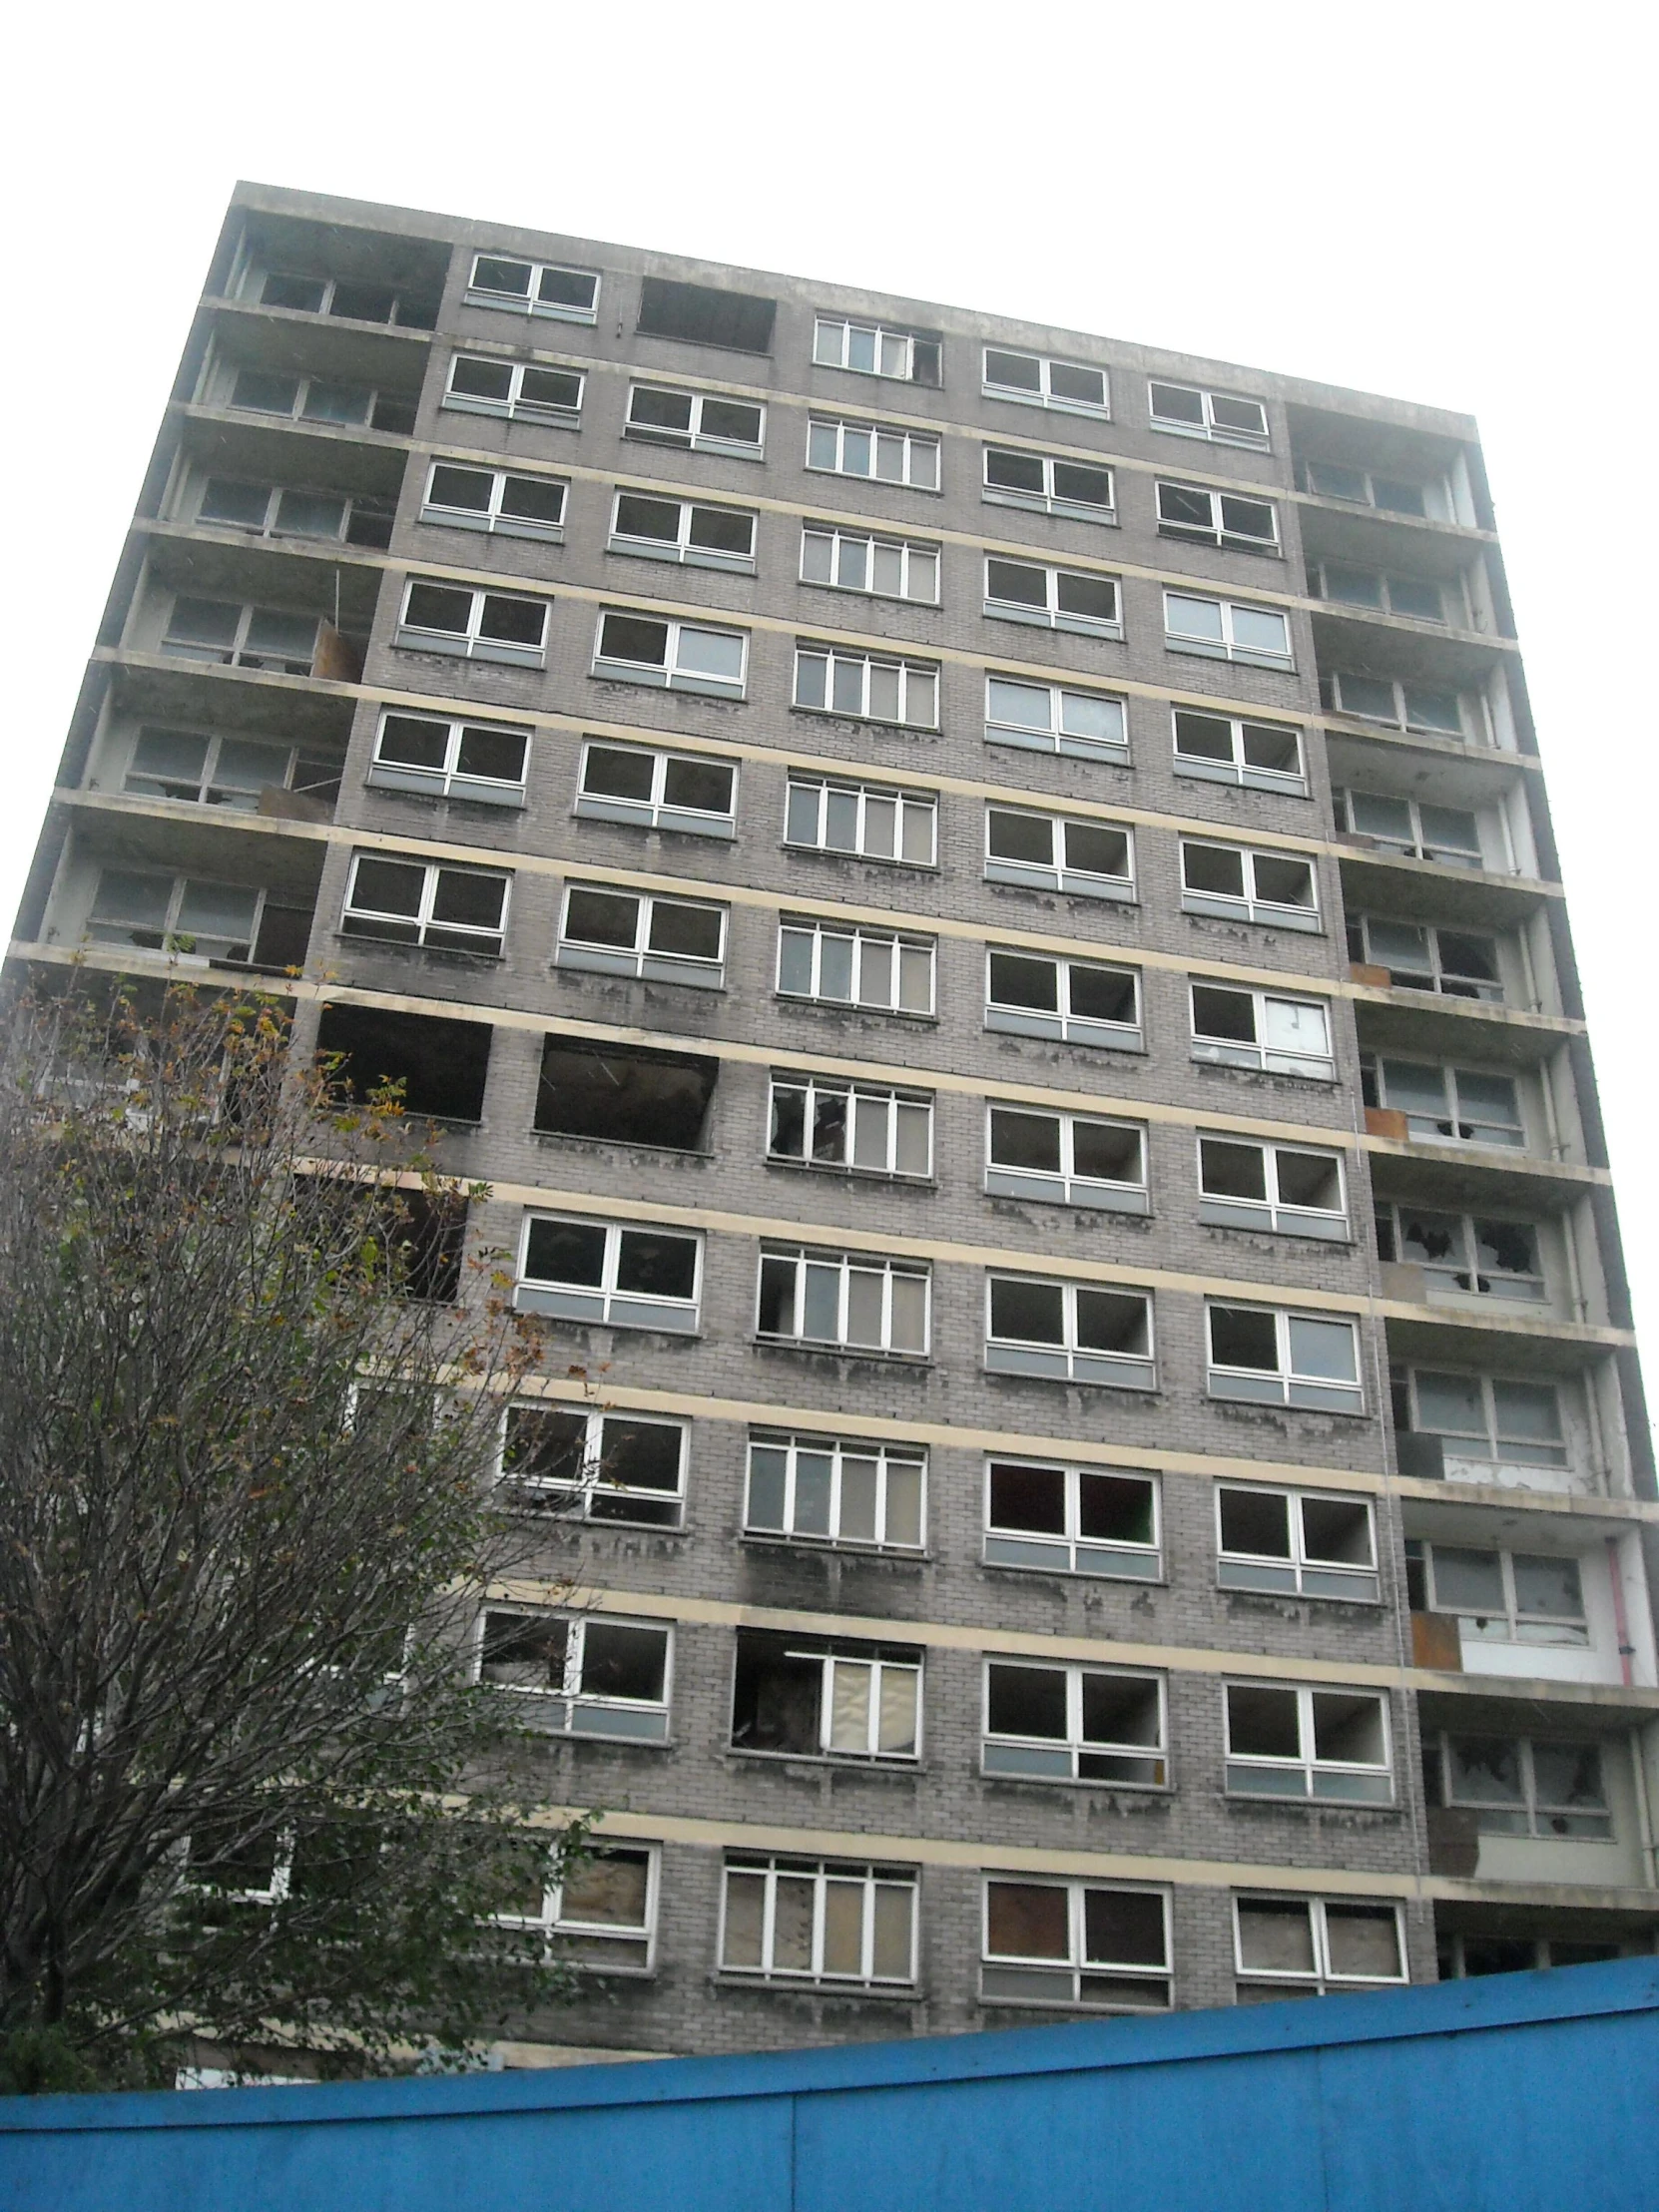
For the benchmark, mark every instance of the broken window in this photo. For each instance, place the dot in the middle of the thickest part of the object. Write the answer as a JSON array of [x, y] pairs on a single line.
[[1415, 707], [1071, 1520], [702, 421], [1076, 1942], [1037, 381], [209, 771], [1482, 1421], [1228, 748], [810, 1697], [682, 655], [1069, 1332], [590, 1674], [1418, 597], [1044, 483], [874, 821], [479, 625], [1055, 718], [1449, 835], [427, 1229], [495, 500], [1500, 1597], [1259, 1029], [284, 511], [602, 1916], [316, 400], [239, 635], [1227, 630], [1522, 1786], [1053, 853], [841, 1300], [447, 909], [684, 530], [1458, 964], [1331, 1745], [869, 349], [1074, 1724], [890, 456], [1306, 1543], [237, 1863], [1448, 1105], [1274, 1358], [1464, 1253], [812, 1920], [486, 383], [851, 560], [873, 690], [1363, 487], [441, 1064], [632, 1275], [1289, 1945], [1221, 518], [1193, 413], [820, 1122], [195, 922], [855, 967], [1057, 598], [837, 1491], [443, 758], [662, 939], [702, 315], [690, 792], [1080, 1001], [1245, 1185], [595, 1466], [1065, 1159], [626, 1094], [540, 287]]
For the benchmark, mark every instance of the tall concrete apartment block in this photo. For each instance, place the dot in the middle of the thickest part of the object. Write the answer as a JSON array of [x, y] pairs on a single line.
[[984, 902]]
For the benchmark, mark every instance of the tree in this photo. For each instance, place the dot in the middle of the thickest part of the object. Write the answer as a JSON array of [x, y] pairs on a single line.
[[247, 1414]]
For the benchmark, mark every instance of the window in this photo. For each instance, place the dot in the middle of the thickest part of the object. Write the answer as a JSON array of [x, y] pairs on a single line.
[[1259, 1029], [851, 560], [1499, 1597], [1463, 1956], [855, 967], [681, 656], [1221, 518], [1315, 1945], [1074, 1724], [633, 1277], [822, 1122], [442, 1065], [1072, 1520], [1417, 706], [1225, 749], [316, 400], [658, 790], [1069, 1332], [1245, 1185], [444, 908], [1079, 490], [284, 512], [807, 1697], [662, 939], [602, 1916], [209, 771], [483, 383], [1326, 1744], [836, 1489], [1037, 381], [241, 637], [843, 1301], [1054, 853], [1066, 1159], [590, 1676], [1054, 718], [193, 919], [1279, 1358], [485, 762], [700, 314], [1520, 1786], [1449, 835], [911, 356], [818, 1919], [1279, 890], [1418, 597], [1226, 630], [1222, 417], [479, 625], [1076, 1942], [682, 530], [1363, 487], [595, 1466], [869, 449], [346, 296], [539, 287], [1458, 963], [1488, 1419], [874, 821], [700, 421], [1055, 598], [830, 681], [1301, 1543], [1448, 1105], [623, 1094], [495, 500], [1464, 1254], [1034, 994]]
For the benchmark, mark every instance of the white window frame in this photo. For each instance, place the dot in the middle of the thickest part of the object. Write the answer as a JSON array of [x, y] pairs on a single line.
[[590, 1481], [351, 505], [1307, 1778], [1226, 647], [694, 438], [1249, 905], [1065, 1753], [1008, 1977], [603, 1302], [1402, 718], [821, 1873], [515, 406], [883, 1101], [1053, 616], [1240, 769], [1283, 1216], [552, 1923], [680, 548], [1064, 1186], [1432, 490], [450, 781], [1063, 1023], [491, 942], [667, 674], [1283, 1384], [1056, 875], [1433, 976], [1272, 1059], [888, 944], [1531, 1819], [913, 448], [1045, 396], [1069, 1551], [1069, 1360], [880, 1666], [893, 350], [886, 1460], [1417, 845], [586, 1711], [1321, 1979], [1448, 1128], [905, 803], [490, 517], [1049, 501], [1220, 531], [658, 811], [1054, 736], [209, 792], [491, 295], [918, 678], [918, 560], [329, 287], [1493, 1448], [1215, 432], [1385, 579], [643, 960], [238, 654], [470, 644], [179, 882], [844, 1266], [1301, 1571], [1495, 1286], [1554, 1631], [299, 408]]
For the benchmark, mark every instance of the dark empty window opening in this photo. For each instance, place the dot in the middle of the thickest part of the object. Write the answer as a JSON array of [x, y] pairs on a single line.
[[624, 1094], [441, 1064], [427, 1233], [739, 320]]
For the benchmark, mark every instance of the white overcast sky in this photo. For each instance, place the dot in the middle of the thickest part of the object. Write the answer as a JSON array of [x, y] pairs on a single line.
[[1449, 203]]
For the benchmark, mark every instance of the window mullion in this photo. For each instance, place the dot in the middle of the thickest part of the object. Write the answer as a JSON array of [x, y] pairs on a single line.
[[836, 1492]]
